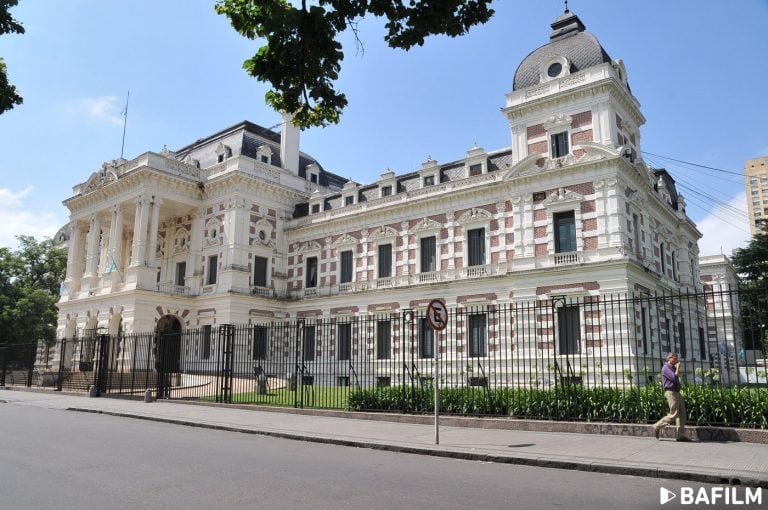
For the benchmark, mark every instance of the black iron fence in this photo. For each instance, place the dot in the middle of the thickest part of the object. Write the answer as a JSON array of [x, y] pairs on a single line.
[[559, 346]]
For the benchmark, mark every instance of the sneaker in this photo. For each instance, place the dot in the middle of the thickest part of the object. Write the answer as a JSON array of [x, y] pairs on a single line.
[[683, 439], [656, 432]]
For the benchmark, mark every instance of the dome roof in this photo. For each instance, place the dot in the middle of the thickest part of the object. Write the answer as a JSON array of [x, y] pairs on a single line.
[[569, 40]]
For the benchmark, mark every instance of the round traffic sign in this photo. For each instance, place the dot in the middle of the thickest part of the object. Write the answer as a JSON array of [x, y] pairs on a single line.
[[437, 314]]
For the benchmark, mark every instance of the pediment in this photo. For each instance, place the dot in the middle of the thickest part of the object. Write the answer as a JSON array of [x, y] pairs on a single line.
[[309, 246], [345, 240], [582, 153], [382, 232], [562, 196], [474, 214], [427, 224]]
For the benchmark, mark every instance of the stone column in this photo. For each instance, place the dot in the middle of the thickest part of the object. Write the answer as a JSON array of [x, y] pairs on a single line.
[[75, 257], [153, 225], [115, 239], [406, 249], [140, 232], [92, 253], [451, 227]]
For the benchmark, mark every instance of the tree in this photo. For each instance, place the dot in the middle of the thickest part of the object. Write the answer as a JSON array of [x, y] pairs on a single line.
[[752, 264], [302, 56], [8, 96], [29, 291]]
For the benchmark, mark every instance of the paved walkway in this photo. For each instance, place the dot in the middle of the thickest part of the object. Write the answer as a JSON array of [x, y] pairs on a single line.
[[700, 461]]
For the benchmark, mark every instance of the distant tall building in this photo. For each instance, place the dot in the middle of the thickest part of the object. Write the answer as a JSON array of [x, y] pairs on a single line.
[[756, 177]]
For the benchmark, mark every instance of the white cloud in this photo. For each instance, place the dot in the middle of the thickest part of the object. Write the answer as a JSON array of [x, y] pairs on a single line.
[[724, 236], [19, 218], [100, 109]]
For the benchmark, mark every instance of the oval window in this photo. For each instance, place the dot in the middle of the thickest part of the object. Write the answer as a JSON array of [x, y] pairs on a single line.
[[555, 70]]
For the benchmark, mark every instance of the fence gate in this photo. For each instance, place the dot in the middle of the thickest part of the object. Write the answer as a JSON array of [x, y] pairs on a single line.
[[226, 363]]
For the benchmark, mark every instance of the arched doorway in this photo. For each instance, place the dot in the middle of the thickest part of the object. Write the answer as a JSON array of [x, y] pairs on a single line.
[[168, 334], [167, 353]]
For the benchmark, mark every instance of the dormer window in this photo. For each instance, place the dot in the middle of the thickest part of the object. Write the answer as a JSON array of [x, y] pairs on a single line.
[[386, 191], [223, 152], [350, 200], [315, 208], [554, 70], [475, 170], [559, 144], [313, 178], [429, 180], [265, 159]]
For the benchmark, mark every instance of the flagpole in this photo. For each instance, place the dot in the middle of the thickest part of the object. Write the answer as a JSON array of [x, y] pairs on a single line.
[[125, 122]]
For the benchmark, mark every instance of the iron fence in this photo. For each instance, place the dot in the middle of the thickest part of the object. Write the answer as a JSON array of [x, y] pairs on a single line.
[[560, 346]]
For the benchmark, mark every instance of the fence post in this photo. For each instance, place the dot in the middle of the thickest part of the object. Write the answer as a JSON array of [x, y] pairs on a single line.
[[62, 354]]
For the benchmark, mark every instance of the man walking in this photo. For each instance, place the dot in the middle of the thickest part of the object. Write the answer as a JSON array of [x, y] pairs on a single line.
[[671, 383]]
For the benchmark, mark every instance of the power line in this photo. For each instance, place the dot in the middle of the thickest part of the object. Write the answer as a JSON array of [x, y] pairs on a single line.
[[741, 174]]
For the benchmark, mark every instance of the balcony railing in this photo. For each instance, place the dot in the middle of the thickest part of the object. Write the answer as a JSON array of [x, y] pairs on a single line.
[[477, 271], [176, 290], [347, 287], [382, 283], [258, 290], [310, 292], [565, 259], [432, 276]]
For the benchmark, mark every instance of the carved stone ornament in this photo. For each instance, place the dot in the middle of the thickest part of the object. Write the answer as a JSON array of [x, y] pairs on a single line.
[[382, 232], [474, 214], [212, 233], [562, 196], [427, 224], [345, 240], [310, 246], [263, 232], [181, 241]]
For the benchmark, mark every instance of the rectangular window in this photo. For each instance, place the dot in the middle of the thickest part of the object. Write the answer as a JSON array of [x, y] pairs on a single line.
[[668, 343], [181, 272], [350, 200], [428, 254], [260, 342], [385, 260], [313, 178], [344, 338], [559, 144], [342, 380], [386, 191], [309, 343], [259, 271], [264, 159], [644, 326], [205, 343], [478, 339], [383, 381], [213, 266], [476, 247], [426, 339], [702, 344], [681, 334], [569, 329], [383, 339], [565, 232], [311, 279], [475, 170], [315, 208], [346, 267], [636, 232], [429, 180]]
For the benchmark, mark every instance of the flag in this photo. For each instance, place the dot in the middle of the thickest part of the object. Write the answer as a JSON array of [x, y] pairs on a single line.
[[112, 267]]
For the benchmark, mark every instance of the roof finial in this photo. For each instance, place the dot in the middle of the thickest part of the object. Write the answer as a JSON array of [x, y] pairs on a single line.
[[566, 7]]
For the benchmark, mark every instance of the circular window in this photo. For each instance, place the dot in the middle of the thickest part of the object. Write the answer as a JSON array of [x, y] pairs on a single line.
[[555, 69], [262, 235]]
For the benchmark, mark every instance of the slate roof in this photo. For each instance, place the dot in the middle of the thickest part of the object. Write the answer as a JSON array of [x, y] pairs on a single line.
[[568, 39]]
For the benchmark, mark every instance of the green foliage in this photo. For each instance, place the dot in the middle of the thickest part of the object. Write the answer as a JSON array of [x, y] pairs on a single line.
[[8, 96], [29, 290], [706, 405], [302, 56]]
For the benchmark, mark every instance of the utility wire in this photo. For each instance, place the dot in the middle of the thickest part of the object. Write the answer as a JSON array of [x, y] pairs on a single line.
[[694, 164]]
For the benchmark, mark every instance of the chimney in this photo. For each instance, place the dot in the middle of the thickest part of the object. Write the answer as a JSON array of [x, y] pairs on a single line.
[[289, 144]]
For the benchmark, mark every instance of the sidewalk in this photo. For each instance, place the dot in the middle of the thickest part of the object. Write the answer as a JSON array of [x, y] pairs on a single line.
[[701, 461]]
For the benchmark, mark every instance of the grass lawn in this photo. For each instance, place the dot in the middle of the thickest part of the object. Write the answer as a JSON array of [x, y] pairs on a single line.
[[321, 397]]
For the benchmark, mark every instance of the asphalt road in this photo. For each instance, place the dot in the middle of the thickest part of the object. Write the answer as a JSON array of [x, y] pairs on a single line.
[[52, 459]]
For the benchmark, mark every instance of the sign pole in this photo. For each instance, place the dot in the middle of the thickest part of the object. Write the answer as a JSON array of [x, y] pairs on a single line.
[[437, 317], [437, 388]]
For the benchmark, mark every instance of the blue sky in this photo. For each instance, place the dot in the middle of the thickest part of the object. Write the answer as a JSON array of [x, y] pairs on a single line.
[[697, 68]]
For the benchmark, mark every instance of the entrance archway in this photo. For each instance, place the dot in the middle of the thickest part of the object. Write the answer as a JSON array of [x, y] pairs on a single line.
[[168, 335]]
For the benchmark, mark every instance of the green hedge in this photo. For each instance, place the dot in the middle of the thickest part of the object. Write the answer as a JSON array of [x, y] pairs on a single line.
[[719, 406]]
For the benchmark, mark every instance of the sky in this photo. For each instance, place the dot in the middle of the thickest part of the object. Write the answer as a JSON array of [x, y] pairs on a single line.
[[697, 68]]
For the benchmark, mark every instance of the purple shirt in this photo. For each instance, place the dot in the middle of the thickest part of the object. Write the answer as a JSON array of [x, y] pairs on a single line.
[[669, 379]]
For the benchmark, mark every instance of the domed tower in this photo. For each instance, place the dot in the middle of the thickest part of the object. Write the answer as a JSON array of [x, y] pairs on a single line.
[[568, 93]]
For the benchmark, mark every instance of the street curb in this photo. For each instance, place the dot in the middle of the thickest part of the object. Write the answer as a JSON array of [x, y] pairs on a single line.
[[544, 462]]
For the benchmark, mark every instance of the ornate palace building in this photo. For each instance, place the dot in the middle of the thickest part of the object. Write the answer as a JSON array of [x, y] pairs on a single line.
[[241, 227]]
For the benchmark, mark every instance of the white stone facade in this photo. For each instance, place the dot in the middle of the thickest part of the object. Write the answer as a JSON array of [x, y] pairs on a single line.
[[240, 227]]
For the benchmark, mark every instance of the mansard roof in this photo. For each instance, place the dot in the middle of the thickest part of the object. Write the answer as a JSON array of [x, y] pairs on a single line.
[[568, 39]]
